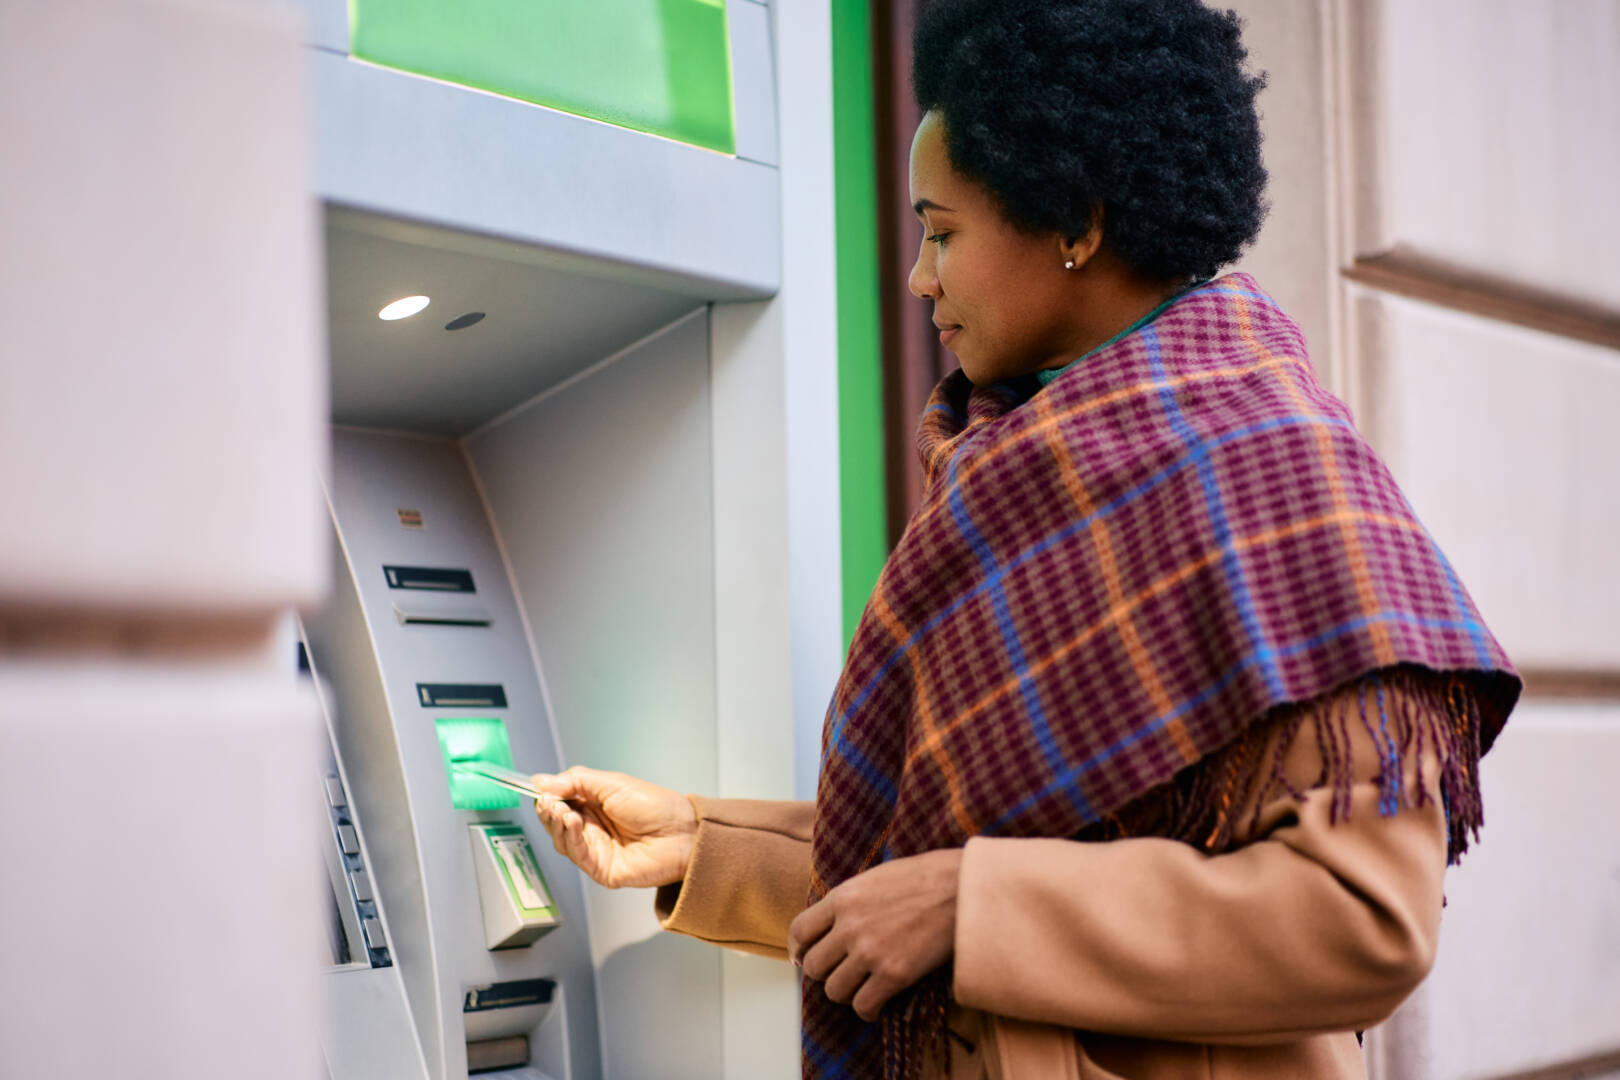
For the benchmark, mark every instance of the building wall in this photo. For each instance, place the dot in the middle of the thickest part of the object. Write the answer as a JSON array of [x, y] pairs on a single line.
[[1296, 256], [162, 411], [1439, 231]]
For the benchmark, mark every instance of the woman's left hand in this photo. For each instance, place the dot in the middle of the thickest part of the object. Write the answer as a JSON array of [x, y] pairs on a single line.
[[880, 931]]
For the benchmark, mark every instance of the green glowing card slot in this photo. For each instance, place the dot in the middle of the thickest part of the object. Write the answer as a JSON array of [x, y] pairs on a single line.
[[475, 738]]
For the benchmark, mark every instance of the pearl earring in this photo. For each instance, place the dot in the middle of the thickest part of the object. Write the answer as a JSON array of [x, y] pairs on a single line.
[[1069, 265]]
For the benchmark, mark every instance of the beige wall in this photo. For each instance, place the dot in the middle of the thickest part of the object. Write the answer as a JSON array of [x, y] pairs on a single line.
[[162, 401], [1478, 141], [1294, 258], [1496, 136]]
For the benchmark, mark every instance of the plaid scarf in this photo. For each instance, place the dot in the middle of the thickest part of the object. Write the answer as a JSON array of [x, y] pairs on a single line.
[[1109, 579]]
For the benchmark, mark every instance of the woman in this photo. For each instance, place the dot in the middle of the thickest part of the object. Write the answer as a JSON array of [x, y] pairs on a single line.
[[1164, 718]]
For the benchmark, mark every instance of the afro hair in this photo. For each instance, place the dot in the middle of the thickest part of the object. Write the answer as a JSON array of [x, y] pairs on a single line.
[[1139, 109]]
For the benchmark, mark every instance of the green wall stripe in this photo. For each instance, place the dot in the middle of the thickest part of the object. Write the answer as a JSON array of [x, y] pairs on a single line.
[[659, 66], [860, 358]]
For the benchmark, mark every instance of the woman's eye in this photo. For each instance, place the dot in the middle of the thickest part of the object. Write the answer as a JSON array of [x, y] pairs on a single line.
[[938, 238]]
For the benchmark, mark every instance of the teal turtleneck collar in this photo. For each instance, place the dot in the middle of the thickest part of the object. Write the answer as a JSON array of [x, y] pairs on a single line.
[[1047, 375]]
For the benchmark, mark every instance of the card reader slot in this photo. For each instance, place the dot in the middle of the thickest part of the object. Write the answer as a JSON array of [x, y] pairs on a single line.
[[461, 695], [430, 578]]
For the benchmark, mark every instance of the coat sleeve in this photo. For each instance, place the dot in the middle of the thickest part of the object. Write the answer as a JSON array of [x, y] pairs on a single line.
[[748, 878], [1310, 925]]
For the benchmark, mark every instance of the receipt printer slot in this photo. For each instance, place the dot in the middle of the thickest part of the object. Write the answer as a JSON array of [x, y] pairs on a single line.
[[428, 610]]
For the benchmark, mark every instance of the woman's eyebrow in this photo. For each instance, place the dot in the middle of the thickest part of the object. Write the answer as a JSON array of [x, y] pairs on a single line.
[[927, 204]]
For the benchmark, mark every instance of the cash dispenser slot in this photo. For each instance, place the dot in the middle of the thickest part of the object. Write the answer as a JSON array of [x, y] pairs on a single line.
[[498, 1018], [508, 995], [429, 578]]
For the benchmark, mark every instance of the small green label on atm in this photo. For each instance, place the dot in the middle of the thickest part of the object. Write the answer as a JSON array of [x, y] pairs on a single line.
[[522, 873]]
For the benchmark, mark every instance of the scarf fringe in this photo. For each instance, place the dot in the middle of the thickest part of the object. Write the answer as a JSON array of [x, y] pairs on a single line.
[[1405, 710], [1408, 712], [916, 1035]]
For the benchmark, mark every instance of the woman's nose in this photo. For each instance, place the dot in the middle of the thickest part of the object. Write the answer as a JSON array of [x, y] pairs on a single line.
[[923, 282]]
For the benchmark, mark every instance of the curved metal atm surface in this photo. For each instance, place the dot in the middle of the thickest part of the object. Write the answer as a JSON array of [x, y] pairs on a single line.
[[423, 645]]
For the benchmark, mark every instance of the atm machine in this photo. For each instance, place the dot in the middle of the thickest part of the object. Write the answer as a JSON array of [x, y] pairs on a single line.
[[521, 492], [463, 950], [559, 549]]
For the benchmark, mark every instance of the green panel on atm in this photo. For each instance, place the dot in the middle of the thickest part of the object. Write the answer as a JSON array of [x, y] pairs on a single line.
[[475, 738], [660, 66]]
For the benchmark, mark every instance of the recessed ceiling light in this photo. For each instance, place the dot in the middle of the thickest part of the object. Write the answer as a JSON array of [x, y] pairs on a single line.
[[461, 322], [403, 309]]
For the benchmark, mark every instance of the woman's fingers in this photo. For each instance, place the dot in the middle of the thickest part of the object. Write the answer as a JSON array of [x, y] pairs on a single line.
[[882, 930], [550, 784], [554, 812], [554, 818], [574, 828], [579, 783], [849, 978], [820, 959], [619, 830], [546, 808], [565, 826], [846, 979], [812, 923], [558, 815], [873, 994]]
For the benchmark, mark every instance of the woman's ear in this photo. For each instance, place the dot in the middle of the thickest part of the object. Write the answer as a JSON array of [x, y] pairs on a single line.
[[1076, 251]]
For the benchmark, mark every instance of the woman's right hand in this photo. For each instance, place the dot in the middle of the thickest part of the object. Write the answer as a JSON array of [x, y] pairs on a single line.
[[619, 830]]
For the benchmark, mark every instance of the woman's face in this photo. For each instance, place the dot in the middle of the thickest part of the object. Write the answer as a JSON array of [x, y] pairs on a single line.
[[1001, 296]]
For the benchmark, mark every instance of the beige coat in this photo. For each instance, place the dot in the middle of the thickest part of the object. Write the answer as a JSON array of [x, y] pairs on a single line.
[[1140, 958]]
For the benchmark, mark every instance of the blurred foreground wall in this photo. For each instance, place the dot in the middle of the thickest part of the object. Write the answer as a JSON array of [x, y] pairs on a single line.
[[162, 400]]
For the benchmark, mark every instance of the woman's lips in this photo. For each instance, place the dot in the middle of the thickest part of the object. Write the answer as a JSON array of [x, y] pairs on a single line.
[[948, 334]]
